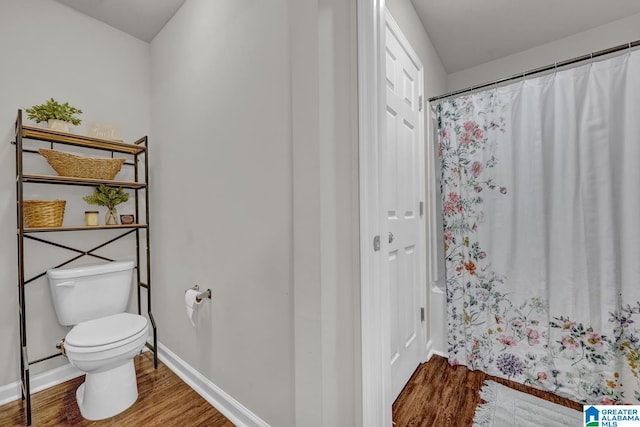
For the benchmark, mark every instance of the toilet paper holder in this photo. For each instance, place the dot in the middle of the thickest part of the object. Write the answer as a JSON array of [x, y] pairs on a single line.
[[201, 295]]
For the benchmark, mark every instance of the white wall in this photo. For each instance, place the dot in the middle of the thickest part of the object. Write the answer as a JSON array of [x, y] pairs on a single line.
[[221, 170], [49, 50], [326, 311], [252, 166], [599, 38], [435, 76]]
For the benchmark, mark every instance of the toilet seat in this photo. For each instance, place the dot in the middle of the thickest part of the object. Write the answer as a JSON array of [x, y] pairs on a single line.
[[106, 333]]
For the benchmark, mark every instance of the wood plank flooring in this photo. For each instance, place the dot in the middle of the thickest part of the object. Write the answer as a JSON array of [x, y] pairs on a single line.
[[437, 395], [446, 396], [163, 400]]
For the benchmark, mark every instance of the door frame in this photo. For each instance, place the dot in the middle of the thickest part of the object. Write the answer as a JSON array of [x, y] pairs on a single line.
[[375, 325], [375, 313]]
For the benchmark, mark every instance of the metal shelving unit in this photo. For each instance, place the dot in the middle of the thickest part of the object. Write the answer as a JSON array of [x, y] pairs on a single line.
[[139, 151]]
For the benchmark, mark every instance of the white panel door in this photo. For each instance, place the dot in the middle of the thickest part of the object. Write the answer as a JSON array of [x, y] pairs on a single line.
[[403, 192]]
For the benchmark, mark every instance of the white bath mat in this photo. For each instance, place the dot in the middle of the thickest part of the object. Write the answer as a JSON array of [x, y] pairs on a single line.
[[505, 407]]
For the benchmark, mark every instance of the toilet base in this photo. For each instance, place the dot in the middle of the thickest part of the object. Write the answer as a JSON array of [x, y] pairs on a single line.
[[107, 393]]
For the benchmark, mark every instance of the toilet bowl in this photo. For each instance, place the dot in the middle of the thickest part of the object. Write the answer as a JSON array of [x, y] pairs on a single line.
[[104, 338], [104, 348]]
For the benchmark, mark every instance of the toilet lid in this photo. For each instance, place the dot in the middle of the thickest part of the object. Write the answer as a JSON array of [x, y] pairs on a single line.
[[106, 330]]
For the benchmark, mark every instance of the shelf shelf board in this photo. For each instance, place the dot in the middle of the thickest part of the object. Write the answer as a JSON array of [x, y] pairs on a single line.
[[51, 179], [43, 134], [84, 228]]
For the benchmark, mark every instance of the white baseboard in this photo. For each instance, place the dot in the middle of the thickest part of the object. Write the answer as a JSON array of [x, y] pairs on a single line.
[[433, 352], [227, 405], [11, 392]]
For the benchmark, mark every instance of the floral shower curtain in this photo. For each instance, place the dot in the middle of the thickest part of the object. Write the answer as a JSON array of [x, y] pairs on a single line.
[[540, 189]]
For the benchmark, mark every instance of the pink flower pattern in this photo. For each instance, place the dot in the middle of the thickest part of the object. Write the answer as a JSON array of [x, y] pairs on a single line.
[[476, 168], [507, 341], [570, 343], [532, 336], [593, 339]]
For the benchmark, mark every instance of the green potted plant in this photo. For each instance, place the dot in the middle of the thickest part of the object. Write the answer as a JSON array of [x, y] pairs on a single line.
[[109, 197], [58, 116]]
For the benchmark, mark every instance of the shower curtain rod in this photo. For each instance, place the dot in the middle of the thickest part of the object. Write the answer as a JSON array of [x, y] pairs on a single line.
[[541, 69]]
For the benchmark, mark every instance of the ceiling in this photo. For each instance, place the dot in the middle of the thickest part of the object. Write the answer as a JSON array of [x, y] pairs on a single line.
[[140, 18], [466, 33]]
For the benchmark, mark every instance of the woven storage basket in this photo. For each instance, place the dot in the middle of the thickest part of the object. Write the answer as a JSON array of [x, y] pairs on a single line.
[[43, 213], [67, 164]]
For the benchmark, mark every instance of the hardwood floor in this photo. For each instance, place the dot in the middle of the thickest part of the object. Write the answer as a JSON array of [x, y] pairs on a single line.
[[163, 400], [446, 396], [437, 395]]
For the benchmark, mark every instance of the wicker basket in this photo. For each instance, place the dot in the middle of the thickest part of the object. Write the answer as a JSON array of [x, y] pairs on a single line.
[[43, 213], [67, 164]]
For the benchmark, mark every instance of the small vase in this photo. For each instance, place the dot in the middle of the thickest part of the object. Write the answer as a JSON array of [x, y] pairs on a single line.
[[111, 218], [59, 125]]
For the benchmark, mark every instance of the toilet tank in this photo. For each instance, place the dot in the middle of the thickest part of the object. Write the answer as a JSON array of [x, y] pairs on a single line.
[[91, 291]]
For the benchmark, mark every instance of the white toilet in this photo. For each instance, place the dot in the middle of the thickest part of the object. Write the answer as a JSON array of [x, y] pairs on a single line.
[[104, 338]]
